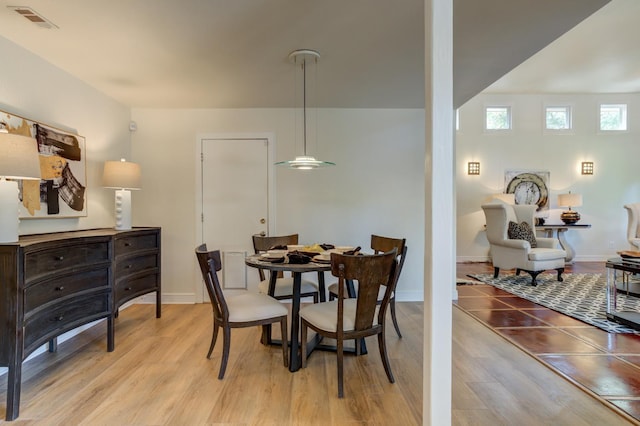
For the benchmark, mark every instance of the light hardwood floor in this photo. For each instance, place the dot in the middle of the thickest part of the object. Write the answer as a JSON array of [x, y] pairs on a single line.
[[158, 374]]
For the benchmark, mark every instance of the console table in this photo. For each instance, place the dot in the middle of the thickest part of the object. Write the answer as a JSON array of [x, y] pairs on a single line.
[[53, 283], [559, 231]]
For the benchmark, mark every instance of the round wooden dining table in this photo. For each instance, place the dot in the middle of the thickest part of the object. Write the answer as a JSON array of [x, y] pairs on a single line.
[[296, 269]]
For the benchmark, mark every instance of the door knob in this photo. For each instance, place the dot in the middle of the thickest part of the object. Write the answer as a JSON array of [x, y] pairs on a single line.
[[263, 221], [263, 234]]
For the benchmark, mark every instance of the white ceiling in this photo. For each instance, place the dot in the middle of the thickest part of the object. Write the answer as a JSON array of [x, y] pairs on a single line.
[[600, 55], [233, 53]]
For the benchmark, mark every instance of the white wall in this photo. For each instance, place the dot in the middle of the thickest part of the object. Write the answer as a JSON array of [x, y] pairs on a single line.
[[614, 182], [377, 186], [34, 89]]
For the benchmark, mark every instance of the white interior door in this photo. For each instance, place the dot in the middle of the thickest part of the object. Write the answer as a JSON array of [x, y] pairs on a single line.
[[235, 204]]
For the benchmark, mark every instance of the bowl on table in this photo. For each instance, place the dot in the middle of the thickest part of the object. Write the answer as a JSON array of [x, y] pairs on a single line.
[[276, 253], [273, 255]]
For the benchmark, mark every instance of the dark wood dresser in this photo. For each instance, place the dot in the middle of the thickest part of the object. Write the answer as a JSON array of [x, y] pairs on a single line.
[[53, 283]]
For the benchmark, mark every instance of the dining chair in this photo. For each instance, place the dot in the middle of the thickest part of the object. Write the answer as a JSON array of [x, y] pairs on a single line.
[[244, 310], [284, 285], [381, 244], [353, 318]]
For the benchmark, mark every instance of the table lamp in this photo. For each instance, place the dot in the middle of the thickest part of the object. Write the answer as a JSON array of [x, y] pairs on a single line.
[[570, 200], [19, 160], [122, 176]]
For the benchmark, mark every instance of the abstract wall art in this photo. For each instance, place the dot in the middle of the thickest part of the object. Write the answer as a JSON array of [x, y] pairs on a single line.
[[528, 187], [62, 191]]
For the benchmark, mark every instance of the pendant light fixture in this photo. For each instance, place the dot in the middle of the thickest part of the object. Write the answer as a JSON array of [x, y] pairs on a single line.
[[303, 58]]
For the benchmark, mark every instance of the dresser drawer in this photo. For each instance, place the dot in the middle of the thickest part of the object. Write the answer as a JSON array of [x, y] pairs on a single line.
[[130, 265], [132, 243], [130, 288], [64, 257], [64, 316], [61, 286]]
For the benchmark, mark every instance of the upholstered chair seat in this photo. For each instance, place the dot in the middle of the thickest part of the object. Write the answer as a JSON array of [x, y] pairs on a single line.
[[323, 315], [253, 307]]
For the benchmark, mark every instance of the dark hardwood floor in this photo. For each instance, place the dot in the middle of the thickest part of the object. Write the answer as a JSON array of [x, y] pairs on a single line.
[[606, 365]]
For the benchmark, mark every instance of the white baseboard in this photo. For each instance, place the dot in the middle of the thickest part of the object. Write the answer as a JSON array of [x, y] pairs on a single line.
[[409, 296], [472, 259], [578, 258], [189, 298], [594, 258]]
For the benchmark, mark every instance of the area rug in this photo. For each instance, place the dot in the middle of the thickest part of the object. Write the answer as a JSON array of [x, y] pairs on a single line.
[[581, 296]]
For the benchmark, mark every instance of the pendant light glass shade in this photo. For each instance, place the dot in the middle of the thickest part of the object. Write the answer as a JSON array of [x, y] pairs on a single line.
[[305, 161]]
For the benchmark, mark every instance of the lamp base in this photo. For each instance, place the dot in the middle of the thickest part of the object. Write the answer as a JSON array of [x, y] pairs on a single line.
[[123, 210], [9, 205], [570, 217]]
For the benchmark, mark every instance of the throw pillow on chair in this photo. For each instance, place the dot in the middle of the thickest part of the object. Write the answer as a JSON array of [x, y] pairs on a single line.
[[522, 231]]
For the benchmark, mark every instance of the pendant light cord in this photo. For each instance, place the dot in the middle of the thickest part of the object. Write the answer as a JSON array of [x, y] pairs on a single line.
[[304, 103]]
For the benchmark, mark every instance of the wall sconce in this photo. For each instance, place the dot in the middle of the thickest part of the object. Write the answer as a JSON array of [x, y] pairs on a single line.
[[473, 168], [122, 176], [19, 160], [587, 167]]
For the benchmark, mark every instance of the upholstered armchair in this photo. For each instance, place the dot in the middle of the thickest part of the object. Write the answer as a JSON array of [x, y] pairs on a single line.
[[517, 253], [633, 226]]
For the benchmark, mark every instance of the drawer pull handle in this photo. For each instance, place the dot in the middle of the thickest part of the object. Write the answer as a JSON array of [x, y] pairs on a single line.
[[128, 266], [127, 289], [59, 257], [59, 318], [60, 288], [127, 244]]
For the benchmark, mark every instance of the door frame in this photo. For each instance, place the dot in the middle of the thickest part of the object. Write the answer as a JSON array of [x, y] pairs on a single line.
[[199, 290]]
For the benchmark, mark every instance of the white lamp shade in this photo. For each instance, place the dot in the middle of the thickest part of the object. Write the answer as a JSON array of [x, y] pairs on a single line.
[[19, 157], [569, 200], [121, 175], [507, 198]]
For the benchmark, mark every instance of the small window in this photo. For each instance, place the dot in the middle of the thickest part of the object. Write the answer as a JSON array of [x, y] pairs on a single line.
[[613, 117], [558, 118], [498, 118]]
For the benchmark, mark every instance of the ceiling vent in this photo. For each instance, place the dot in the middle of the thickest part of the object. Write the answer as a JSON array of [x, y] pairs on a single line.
[[34, 17]]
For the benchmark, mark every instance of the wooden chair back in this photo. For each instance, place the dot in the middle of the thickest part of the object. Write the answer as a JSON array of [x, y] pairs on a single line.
[[381, 244], [210, 263], [370, 272], [262, 243]]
